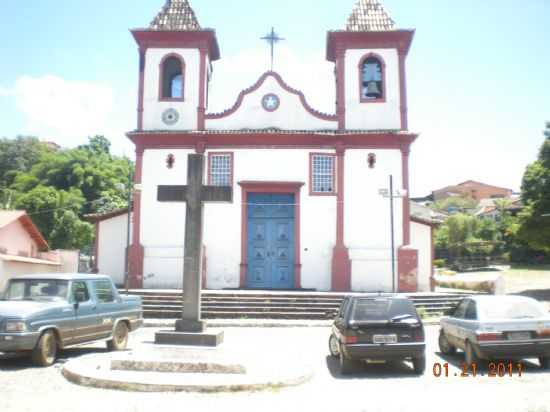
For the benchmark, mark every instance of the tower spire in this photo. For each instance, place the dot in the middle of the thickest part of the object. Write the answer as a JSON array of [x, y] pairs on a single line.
[[369, 15], [176, 15]]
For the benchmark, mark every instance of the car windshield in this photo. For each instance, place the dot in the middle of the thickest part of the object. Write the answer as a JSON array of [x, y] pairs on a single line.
[[377, 310], [36, 290], [511, 309]]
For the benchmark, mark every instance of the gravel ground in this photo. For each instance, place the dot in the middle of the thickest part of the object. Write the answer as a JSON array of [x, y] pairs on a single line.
[[391, 387]]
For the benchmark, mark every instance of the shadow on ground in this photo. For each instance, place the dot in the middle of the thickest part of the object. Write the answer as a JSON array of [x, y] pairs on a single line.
[[388, 370], [15, 362]]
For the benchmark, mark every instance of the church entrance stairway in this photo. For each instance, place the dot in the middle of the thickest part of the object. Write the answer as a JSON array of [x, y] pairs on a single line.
[[167, 304]]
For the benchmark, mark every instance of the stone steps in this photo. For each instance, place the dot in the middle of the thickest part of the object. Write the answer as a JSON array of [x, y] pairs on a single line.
[[273, 305]]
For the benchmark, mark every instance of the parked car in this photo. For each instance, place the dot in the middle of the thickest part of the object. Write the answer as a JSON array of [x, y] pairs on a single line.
[[377, 328], [41, 314], [497, 327]]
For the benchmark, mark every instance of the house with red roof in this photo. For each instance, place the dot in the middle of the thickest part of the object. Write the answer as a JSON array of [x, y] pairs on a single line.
[[23, 249]]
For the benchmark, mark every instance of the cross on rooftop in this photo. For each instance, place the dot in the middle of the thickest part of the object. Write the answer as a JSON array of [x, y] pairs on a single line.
[[272, 38]]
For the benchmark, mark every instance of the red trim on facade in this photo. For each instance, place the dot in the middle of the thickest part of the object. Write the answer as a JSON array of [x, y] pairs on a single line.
[[240, 139], [341, 88], [161, 98], [179, 40], [403, 90], [286, 87], [270, 187], [391, 39], [136, 252], [141, 87], [360, 84], [201, 109], [210, 154], [406, 202], [334, 166], [407, 270], [341, 264]]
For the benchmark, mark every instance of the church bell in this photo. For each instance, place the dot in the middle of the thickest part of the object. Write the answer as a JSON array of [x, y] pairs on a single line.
[[372, 89]]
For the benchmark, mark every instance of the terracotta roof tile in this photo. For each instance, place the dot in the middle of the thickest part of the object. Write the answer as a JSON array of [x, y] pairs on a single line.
[[176, 15], [369, 15]]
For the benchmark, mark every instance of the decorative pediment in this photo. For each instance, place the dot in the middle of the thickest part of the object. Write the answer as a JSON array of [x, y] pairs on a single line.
[[271, 103]]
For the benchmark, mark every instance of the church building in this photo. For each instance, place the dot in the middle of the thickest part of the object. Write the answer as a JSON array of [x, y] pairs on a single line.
[[308, 211]]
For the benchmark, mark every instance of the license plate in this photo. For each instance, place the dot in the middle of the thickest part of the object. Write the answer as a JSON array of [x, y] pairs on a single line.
[[384, 338], [519, 335]]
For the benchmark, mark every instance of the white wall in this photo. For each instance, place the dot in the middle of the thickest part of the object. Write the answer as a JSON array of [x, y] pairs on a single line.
[[112, 247], [15, 238], [291, 114], [421, 240], [372, 116], [10, 270], [163, 224], [153, 109], [367, 220]]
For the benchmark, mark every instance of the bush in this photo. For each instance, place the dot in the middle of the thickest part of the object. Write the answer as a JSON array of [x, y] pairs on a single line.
[[440, 263]]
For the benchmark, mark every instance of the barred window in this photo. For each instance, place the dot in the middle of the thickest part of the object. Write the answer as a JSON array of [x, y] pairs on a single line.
[[322, 173], [220, 169]]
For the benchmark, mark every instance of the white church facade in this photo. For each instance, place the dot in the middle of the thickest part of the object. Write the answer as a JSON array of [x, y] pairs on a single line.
[[307, 212]]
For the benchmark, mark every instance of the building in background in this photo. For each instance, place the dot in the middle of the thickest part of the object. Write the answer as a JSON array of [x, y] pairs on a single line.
[[474, 190], [23, 249]]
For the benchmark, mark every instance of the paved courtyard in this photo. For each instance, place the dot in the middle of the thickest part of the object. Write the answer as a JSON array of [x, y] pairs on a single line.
[[391, 387]]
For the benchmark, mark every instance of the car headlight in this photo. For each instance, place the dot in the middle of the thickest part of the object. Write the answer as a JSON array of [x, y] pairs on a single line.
[[16, 327]]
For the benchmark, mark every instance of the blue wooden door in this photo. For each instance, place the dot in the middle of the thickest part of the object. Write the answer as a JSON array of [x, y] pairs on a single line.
[[270, 241]]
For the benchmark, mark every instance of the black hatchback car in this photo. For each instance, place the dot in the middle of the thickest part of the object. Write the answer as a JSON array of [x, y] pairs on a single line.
[[382, 327]]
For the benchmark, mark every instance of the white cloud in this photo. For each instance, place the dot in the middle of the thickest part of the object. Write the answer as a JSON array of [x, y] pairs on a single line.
[[67, 112]]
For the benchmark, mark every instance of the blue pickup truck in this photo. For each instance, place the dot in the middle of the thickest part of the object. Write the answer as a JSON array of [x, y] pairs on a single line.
[[41, 314]]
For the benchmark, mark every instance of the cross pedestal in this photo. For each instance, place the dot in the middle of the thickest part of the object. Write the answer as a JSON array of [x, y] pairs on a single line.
[[190, 329]]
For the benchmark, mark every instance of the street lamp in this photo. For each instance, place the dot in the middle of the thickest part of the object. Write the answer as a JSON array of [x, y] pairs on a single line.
[[131, 188], [389, 193]]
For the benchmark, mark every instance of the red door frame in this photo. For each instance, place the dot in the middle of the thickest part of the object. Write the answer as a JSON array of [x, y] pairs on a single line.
[[270, 187]]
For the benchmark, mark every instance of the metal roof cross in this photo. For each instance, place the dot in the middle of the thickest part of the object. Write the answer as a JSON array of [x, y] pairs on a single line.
[[272, 38]]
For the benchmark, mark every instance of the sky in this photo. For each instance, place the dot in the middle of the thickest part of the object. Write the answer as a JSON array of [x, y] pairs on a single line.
[[478, 73]]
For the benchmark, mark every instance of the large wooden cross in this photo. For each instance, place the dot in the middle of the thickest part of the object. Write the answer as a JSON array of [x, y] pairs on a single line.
[[194, 194]]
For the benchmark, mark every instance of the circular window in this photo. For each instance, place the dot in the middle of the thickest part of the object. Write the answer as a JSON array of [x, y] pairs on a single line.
[[271, 102], [170, 117]]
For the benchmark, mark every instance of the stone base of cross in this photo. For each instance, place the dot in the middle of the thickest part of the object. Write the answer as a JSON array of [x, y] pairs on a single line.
[[190, 328]]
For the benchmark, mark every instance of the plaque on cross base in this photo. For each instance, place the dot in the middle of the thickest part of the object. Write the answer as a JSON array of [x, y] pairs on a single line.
[[190, 329]]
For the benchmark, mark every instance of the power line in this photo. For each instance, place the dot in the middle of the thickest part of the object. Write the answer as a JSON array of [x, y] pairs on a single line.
[[65, 208]]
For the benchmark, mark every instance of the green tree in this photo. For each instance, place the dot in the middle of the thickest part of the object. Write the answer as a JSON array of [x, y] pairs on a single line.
[[59, 187], [535, 190], [19, 155], [458, 203], [462, 233], [69, 232]]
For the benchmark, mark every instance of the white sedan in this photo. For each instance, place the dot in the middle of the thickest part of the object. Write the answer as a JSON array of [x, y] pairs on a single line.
[[497, 327]]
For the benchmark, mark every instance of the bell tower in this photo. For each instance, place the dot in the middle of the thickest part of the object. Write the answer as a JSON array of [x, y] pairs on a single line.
[[370, 59], [175, 56]]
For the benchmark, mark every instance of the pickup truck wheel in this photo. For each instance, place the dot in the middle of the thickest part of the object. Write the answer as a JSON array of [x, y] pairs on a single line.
[[445, 346], [419, 365], [347, 366], [544, 362], [120, 337], [470, 355], [333, 346], [45, 352]]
